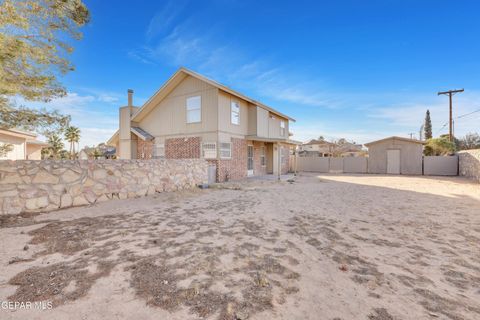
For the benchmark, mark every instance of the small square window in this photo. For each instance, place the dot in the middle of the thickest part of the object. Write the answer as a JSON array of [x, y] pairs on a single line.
[[194, 109], [235, 112], [159, 151], [225, 150]]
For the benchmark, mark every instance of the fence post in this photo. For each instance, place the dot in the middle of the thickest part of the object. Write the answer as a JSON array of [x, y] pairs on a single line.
[[423, 165]]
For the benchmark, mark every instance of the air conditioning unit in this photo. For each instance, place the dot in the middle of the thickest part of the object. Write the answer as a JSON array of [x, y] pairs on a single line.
[[209, 150]]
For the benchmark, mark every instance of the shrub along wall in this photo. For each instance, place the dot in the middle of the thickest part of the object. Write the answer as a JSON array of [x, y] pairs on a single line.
[[469, 163], [32, 186]]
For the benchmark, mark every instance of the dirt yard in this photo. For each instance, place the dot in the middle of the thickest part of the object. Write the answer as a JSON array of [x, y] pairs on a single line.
[[321, 247]]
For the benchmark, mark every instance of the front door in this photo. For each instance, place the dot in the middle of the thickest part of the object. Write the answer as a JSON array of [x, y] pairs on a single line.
[[250, 160], [393, 161]]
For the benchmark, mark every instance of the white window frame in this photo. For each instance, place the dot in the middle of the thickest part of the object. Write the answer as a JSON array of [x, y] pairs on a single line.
[[209, 150], [155, 151], [192, 109], [263, 158], [282, 128], [234, 104], [222, 148]]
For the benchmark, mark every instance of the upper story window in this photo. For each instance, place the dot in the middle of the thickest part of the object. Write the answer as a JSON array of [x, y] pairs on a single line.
[[194, 109], [282, 128], [235, 112]]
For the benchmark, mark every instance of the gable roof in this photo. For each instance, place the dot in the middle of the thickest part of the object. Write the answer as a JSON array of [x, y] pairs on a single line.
[[181, 74], [395, 138], [30, 137], [18, 133], [315, 141], [139, 132], [113, 139]]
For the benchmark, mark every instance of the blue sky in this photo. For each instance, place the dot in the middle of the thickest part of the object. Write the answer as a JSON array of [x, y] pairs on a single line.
[[355, 69]]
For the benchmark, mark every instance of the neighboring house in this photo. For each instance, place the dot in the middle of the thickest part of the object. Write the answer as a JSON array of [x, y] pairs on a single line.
[[348, 149], [395, 155], [322, 148], [102, 151], [25, 145], [316, 148], [191, 116], [82, 155]]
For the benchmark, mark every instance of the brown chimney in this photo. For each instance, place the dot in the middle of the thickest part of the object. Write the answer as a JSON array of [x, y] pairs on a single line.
[[130, 97]]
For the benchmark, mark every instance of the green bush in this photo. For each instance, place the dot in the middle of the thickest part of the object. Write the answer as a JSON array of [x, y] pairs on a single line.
[[439, 147]]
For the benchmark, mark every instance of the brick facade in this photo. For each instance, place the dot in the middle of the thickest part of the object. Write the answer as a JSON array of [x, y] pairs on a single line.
[[236, 167], [227, 169], [144, 149], [182, 148], [258, 169]]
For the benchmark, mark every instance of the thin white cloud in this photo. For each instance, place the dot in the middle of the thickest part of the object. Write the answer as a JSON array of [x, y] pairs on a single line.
[[186, 45], [307, 131], [164, 18], [73, 103], [140, 57], [412, 115], [108, 98], [204, 49], [91, 136], [95, 115], [103, 95]]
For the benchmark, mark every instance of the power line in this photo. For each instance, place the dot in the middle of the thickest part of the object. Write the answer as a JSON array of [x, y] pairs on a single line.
[[467, 114], [439, 130], [458, 117]]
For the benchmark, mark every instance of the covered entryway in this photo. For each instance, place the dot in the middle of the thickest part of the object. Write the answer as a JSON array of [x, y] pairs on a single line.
[[267, 156], [393, 161], [269, 159]]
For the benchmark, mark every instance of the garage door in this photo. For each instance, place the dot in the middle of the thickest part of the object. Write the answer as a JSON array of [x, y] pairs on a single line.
[[393, 161]]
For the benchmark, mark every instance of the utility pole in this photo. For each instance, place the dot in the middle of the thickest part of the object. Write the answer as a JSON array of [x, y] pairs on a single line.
[[450, 94], [411, 134]]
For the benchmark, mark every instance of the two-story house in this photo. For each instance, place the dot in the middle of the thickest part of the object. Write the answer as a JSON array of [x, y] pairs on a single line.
[[191, 116]]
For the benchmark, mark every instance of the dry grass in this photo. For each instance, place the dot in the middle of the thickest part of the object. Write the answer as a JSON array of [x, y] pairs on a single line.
[[57, 283], [261, 250]]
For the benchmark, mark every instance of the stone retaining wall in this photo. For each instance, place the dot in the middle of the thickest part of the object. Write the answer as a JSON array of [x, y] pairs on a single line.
[[469, 163], [33, 186]]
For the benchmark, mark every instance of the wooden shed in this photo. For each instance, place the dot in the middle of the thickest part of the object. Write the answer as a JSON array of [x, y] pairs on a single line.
[[395, 155]]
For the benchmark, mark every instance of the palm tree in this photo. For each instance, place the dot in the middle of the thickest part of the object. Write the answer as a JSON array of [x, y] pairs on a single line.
[[55, 146], [72, 135]]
